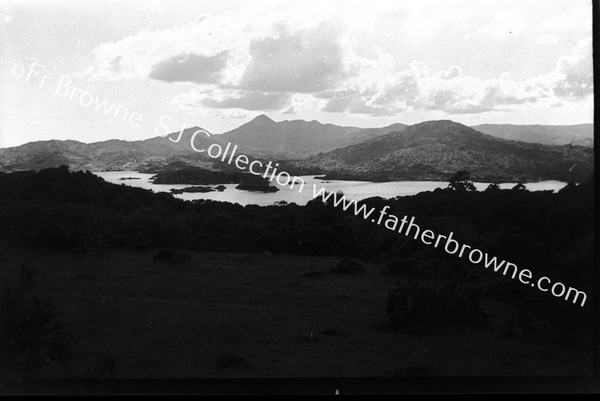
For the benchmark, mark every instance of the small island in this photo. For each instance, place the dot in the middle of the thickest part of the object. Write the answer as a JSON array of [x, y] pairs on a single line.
[[194, 189], [250, 182]]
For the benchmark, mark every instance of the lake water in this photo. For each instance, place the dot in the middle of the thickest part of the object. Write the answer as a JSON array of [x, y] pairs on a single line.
[[352, 189]]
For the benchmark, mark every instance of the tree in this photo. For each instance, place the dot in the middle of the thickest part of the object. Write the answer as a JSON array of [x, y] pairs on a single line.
[[570, 188], [461, 182], [31, 331], [126, 203], [519, 187], [493, 187]]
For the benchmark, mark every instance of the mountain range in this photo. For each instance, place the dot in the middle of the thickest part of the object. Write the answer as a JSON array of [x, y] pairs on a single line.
[[437, 149], [429, 150], [299, 138]]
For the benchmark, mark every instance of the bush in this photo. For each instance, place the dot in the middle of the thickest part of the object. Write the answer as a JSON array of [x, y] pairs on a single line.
[[348, 266], [32, 334], [169, 255], [396, 266], [426, 307]]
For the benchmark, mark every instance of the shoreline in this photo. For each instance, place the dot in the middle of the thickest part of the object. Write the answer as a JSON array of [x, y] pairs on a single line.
[[324, 178]]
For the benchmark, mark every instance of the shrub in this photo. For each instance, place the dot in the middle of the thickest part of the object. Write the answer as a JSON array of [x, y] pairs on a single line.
[[169, 255], [313, 273], [231, 360], [396, 266], [348, 266], [425, 307], [33, 335]]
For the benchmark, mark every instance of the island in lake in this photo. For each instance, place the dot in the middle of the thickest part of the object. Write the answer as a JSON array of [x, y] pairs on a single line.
[[198, 189], [201, 179], [256, 183]]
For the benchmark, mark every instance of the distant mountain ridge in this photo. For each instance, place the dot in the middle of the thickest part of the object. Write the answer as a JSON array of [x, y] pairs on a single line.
[[298, 138], [436, 149], [261, 137], [309, 146], [579, 135], [98, 156]]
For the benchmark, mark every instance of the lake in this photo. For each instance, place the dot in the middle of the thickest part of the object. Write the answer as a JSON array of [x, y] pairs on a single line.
[[352, 189]]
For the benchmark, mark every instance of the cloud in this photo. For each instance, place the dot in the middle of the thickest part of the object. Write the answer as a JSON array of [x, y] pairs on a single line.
[[423, 25], [302, 62], [239, 51], [249, 101], [577, 22], [574, 76], [210, 48], [449, 91], [241, 99], [503, 25], [352, 102], [191, 68], [312, 57]]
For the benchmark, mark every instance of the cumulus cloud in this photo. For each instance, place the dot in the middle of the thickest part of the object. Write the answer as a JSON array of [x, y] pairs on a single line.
[[574, 76], [288, 62], [418, 88], [249, 101], [228, 99], [211, 44], [304, 62], [191, 68]]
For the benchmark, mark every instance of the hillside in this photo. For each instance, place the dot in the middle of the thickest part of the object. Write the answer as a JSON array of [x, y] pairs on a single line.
[[436, 149], [427, 151], [578, 135], [104, 156], [261, 137]]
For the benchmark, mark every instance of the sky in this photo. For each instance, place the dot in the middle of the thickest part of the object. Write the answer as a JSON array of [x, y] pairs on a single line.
[[107, 69]]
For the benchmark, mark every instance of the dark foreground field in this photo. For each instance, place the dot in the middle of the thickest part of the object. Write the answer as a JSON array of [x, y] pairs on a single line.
[[221, 315], [230, 300]]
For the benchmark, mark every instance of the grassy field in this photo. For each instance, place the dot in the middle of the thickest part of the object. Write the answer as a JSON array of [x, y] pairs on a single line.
[[221, 315]]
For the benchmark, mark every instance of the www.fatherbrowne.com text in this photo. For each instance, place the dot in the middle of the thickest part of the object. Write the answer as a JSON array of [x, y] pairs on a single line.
[[393, 223], [450, 245]]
